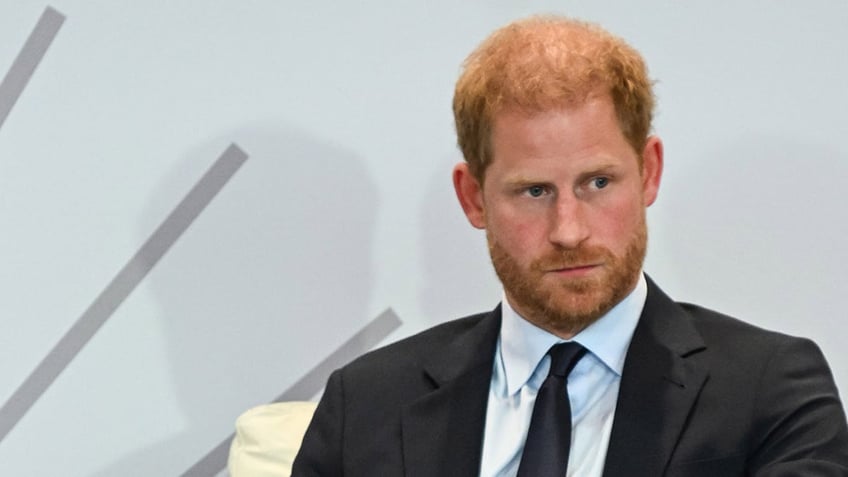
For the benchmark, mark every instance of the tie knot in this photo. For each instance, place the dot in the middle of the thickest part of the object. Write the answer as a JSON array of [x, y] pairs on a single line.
[[564, 356]]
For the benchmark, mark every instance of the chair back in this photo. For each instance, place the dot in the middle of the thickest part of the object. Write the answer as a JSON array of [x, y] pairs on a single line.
[[268, 438]]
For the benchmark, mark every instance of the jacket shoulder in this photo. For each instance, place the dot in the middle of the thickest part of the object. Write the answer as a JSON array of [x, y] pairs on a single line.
[[782, 393], [721, 330]]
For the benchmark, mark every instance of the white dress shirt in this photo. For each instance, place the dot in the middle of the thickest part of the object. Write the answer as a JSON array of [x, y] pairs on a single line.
[[521, 365]]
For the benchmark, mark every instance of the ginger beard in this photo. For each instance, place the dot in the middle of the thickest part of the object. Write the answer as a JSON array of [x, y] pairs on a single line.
[[568, 306]]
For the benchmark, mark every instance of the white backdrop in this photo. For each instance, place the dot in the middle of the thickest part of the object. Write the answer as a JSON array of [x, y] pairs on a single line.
[[344, 207]]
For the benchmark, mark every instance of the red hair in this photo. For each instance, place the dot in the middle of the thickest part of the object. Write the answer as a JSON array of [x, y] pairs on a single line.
[[547, 62]]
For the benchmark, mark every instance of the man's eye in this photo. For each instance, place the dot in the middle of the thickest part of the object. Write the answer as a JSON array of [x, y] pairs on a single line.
[[536, 191], [600, 182]]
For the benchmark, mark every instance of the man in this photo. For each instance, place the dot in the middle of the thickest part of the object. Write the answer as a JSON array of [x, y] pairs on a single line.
[[553, 117]]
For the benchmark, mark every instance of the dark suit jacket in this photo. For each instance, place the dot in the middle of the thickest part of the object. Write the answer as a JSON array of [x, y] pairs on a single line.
[[702, 394]]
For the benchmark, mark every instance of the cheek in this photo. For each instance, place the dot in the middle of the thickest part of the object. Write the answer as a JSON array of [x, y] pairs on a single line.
[[519, 236], [615, 221]]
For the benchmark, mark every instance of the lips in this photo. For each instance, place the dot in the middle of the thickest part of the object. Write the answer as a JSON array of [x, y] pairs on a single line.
[[574, 270], [573, 261], [560, 267]]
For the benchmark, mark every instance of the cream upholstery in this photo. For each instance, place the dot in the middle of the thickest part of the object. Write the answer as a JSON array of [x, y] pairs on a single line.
[[267, 439]]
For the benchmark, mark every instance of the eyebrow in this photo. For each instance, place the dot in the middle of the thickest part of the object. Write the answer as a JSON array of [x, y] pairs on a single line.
[[604, 167], [524, 179], [607, 169]]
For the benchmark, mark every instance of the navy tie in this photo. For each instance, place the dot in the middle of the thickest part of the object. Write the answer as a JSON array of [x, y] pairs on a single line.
[[549, 437]]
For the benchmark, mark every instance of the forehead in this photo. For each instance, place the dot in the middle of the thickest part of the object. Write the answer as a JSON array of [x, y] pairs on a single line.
[[583, 130]]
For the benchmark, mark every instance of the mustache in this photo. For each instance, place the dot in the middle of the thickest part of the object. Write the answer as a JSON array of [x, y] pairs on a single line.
[[570, 258]]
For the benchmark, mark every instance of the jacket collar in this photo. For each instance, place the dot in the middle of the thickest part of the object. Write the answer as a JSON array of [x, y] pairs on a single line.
[[449, 421], [664, 371]]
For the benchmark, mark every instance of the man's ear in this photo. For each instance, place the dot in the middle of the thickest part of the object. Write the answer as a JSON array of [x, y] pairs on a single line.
[[469, 191], [652, 167]]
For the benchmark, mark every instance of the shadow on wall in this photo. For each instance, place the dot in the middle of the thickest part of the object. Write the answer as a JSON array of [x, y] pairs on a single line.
[[270, 278], [759, 227], [459, 278]]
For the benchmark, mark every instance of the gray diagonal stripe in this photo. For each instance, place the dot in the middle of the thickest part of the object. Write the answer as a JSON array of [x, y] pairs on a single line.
[[120, 288], [28, 59], [309, 385]]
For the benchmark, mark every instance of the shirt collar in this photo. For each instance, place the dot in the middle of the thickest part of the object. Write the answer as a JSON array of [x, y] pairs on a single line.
[[523, 344]]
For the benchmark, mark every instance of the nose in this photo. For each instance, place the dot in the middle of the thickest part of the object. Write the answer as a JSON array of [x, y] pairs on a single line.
[[568, 224]]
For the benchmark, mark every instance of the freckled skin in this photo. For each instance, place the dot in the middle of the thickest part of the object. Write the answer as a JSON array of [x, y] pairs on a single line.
[[563, 204]]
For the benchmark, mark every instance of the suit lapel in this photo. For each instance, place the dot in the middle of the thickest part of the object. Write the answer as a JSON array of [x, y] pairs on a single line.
[[450, 421], [663, 374]]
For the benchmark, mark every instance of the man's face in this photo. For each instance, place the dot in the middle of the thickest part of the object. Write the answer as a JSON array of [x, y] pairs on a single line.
[[563, 204]]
